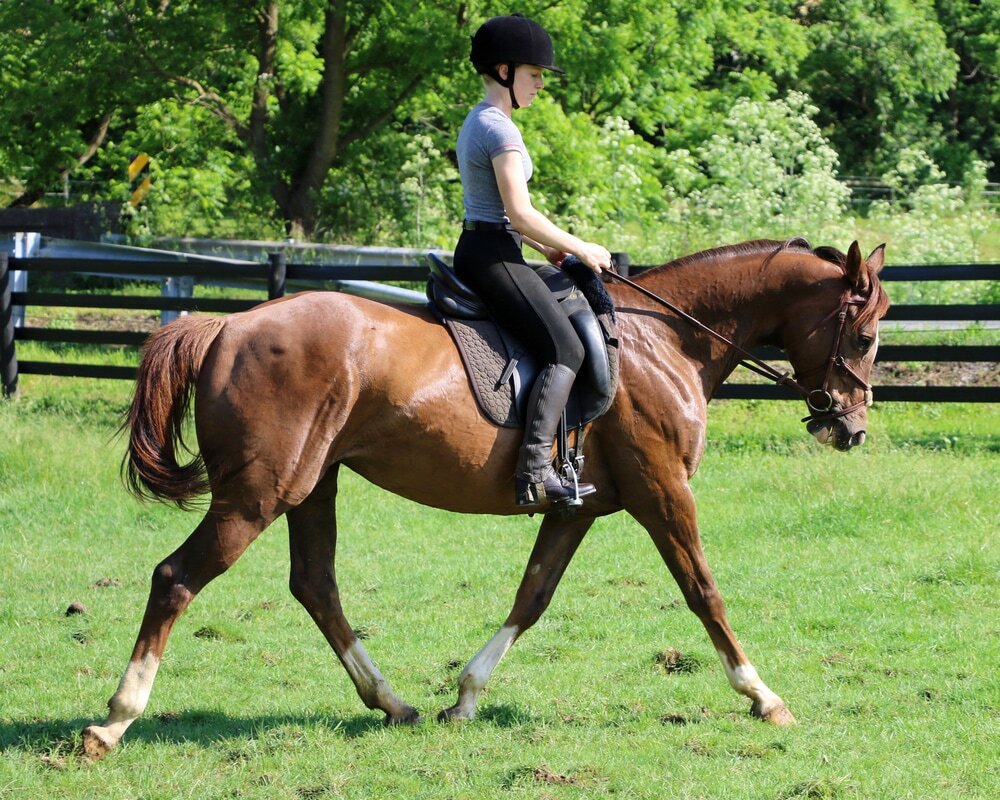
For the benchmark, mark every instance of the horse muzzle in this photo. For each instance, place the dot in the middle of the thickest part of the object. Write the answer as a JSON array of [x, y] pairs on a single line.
[[836, 432]]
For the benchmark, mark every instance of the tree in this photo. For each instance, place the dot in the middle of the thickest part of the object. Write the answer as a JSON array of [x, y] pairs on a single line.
[[969, 112], [338, 118], [294, 82], [670, 67], [61, 93], [770, 172], [875, 69]]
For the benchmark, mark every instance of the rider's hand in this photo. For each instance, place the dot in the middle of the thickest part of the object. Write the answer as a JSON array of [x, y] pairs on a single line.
[[595, 256], [554, 255]]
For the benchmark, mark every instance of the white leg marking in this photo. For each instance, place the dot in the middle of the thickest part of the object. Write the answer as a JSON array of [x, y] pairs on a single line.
[[128, 702], [372, 687], [745, 680], [370, 683], [479, 669], [477, 672], [134, 689]]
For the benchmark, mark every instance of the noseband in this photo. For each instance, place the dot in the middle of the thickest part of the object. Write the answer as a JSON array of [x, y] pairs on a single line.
[[820, 401]]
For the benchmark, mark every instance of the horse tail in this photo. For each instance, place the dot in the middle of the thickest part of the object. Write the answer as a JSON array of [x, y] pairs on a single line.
[[168, 371]]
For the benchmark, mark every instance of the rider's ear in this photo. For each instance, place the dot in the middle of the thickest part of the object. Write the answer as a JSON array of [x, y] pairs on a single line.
[[876, 260], [857, 270]]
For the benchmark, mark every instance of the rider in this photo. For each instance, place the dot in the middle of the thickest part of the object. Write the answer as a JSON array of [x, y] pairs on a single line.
[[511, 53]]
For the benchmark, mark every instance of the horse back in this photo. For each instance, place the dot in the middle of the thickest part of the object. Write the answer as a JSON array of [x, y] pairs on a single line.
[[317, 336]]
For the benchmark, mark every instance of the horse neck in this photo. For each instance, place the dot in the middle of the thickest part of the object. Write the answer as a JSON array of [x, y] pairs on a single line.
[[745, 297]]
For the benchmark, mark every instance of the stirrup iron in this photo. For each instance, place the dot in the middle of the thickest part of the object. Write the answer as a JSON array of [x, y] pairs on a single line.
[[569, 464]]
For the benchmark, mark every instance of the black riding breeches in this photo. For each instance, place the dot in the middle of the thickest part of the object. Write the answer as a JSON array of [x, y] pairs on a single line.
[[518, 299]]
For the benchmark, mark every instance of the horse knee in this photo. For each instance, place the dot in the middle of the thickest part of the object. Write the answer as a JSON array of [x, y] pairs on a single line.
[[706, 601], [528, 611]]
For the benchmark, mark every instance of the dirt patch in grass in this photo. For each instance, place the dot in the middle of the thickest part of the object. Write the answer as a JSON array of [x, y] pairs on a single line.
[[94, 320], [673, 661], [933, 373]]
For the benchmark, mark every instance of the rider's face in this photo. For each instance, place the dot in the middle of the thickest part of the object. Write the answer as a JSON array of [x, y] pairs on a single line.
[[529, 80]]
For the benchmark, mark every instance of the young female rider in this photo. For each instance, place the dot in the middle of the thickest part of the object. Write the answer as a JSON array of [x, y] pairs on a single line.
[[511, 54]]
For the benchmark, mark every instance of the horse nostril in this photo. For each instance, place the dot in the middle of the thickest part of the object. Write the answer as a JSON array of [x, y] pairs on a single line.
[[858, 439]]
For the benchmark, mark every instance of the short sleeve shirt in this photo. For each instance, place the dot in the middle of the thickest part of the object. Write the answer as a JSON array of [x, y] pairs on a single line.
[[486, 133]]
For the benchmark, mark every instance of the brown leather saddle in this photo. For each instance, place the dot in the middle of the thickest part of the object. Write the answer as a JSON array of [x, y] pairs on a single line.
[[501, 370]]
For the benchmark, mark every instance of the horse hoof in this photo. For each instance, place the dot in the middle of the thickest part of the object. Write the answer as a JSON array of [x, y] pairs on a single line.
[[455, 714], [776, 715], [409, 717], [96, 743]]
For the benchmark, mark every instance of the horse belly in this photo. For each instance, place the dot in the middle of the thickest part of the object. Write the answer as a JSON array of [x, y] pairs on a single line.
[[431, 444]]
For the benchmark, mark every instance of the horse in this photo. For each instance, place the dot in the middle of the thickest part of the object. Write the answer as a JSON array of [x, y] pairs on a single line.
[[287, 392]]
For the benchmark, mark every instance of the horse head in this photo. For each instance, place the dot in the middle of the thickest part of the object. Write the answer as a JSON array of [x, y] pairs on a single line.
[[833, 351]]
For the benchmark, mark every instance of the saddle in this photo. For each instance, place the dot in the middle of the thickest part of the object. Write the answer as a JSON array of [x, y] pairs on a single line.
[[500, 368]]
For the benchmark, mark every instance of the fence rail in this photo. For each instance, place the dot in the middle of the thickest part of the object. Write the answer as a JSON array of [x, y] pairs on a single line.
[[273, 276]]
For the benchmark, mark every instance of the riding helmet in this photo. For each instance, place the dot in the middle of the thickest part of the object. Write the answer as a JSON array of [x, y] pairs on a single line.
[[513, 39]]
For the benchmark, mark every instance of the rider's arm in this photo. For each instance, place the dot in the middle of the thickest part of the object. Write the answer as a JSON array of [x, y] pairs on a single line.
[[553, 254], [534, 226]]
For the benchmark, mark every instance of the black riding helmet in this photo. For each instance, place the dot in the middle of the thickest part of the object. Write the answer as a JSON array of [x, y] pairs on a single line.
[[511, 40]]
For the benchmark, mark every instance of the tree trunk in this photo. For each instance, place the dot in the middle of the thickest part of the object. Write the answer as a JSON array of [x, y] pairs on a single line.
[[299, 208], [33, 194]]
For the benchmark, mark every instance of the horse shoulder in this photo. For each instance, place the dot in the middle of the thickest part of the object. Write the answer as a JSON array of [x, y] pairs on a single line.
[[661, 401]]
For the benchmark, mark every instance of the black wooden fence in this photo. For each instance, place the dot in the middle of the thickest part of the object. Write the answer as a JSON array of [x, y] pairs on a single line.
[[276, 272]]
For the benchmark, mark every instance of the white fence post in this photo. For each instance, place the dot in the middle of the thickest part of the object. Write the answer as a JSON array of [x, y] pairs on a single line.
[[26, 245], [175, 286]]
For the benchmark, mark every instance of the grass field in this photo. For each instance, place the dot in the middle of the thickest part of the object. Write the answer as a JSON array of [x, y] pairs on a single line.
[[865, 588]]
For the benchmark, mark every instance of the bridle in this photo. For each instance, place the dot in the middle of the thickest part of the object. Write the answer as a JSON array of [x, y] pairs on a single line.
[[820, 401]]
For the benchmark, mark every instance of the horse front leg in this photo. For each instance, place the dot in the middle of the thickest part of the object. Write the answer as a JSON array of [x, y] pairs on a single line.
[[672, 525], [557, 541], [312, 534], [214, 546]]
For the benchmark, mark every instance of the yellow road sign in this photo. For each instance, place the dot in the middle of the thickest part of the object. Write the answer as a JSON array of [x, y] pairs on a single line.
[[138, 176]]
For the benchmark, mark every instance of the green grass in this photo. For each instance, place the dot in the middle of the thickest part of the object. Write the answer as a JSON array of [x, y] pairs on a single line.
[[865, 588]]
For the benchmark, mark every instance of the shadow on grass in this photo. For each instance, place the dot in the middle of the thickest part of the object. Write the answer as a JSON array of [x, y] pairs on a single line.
[[62, 735], [504, 715], [40, 736]]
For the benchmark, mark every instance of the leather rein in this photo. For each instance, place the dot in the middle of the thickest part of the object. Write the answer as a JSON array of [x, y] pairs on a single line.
[[820, 401]]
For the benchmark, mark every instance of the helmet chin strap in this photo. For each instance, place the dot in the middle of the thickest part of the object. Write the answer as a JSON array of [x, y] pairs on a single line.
[[509, 83]]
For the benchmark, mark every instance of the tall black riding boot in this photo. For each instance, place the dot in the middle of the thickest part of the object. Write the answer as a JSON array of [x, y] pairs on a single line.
[[537, 482]]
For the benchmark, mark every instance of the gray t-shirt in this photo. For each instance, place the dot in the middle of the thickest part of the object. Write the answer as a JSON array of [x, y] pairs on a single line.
[[486, 133]]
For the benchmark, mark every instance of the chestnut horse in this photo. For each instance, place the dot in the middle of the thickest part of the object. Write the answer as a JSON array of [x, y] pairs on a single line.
[[289, 391]]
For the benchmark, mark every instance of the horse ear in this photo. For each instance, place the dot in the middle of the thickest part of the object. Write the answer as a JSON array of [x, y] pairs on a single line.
[[876, 260], [857, 271]]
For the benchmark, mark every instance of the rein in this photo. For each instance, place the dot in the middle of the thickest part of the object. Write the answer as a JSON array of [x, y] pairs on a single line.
[[820, 401]]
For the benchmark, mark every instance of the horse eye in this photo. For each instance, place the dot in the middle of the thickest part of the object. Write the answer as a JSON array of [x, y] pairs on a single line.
[[865, 343]]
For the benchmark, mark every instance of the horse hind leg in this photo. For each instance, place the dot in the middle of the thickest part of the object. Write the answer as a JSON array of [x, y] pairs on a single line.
[[312, 534], [214, 546]]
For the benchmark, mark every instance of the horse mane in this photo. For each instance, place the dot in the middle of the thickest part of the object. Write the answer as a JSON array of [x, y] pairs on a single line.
[[876, 302]]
